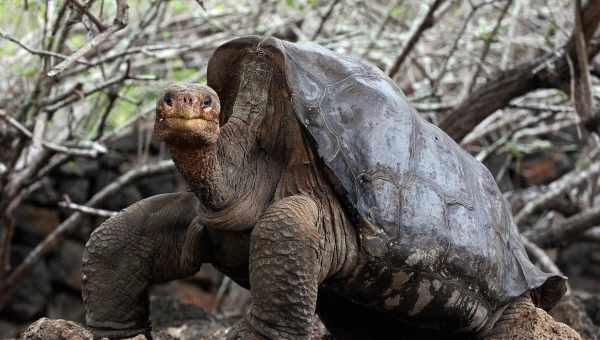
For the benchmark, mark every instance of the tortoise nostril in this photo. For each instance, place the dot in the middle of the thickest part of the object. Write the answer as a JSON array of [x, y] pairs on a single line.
[[168, 100]]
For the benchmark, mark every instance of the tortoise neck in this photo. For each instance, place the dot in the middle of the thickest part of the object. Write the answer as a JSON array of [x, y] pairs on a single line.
[[201, 168]]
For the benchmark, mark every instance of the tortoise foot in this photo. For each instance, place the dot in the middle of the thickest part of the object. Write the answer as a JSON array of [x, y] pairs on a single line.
[[523, 321]]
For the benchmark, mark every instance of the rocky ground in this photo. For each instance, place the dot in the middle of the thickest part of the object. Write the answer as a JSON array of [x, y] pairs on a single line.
[[170, 319], [173, 320]]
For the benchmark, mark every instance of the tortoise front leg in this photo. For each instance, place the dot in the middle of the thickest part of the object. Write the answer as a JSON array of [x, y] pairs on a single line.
[[285, 271], [152, 241]]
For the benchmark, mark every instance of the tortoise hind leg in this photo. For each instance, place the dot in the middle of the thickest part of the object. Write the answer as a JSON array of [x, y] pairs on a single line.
[[521, 320]]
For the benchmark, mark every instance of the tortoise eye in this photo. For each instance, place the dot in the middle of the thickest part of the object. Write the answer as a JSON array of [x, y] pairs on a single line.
[[168, 100], [206, 102]]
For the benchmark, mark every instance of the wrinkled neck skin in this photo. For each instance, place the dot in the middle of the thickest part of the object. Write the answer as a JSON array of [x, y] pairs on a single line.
[[235, 178]]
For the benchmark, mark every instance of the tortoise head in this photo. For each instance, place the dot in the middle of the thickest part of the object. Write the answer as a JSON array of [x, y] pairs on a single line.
[[188, 114]]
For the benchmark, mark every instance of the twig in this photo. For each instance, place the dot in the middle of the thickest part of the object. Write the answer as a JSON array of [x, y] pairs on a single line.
[[592, 235], [325, 18], [101, 27], [541, 107], [507, 53], [7, 288], [120, 21], [486, 47], [566, 230], [112, 98], [82, 94], [201, 3], [540, 255], [426, 23], [93, 152], [39, 52], [547, 71], [581, 83], [223, 288], [87, 210], [380, 30], [428, 107], [454, 47], [557, 188]]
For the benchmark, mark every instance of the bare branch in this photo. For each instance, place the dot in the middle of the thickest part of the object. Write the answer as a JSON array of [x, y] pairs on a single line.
[[41, 53], [540, 255], [565, 231], [426, 23], [545, 72], [592, 235], [120, 21], [84, 10], [87, 210], [76, 93], [581, 82], [325, 18], [558, 187], [487, 45], [93, 152]]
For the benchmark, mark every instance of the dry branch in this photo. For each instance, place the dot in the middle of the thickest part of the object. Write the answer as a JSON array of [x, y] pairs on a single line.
[[120, 21], [41, 53], [581, 83], [325, 18], [540, 255], [567, 230], [592, 235], [426, 23], [487, 45], [497, 93], [92, 152], [87, 210], [558, 187]]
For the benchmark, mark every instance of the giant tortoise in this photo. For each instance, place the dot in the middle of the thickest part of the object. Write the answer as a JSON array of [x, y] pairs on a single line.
[[317, 186]]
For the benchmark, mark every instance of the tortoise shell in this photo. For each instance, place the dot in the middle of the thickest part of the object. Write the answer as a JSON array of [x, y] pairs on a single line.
[[420, 201]]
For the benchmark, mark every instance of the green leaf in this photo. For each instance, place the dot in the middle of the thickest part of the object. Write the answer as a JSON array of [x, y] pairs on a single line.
[[180, 6], [397, 12], [76, 40], [184, 73]]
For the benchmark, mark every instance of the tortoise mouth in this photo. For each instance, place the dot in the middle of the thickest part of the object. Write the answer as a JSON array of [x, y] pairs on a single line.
[[190, 119], [189, 123], [186, 130]]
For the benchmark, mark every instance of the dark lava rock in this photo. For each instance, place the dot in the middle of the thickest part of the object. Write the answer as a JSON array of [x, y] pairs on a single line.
[[66, 306], [34, 223], [167, 311], [65, 264], [33, 291], [8, 330], [77, 189]]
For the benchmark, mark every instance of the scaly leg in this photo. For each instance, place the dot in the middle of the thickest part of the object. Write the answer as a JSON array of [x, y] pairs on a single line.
[[285, 271], [155, 240]]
